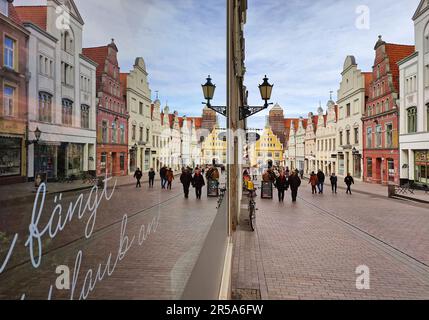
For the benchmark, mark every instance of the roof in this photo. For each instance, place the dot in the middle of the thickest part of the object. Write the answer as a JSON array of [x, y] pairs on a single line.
[[34, 14], [368, 80], [123, 78], [197, 121], [98, 55], [13, 15], [397, 52], [289, 121]]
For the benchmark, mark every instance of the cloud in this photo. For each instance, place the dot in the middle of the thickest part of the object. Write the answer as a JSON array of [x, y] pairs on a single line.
[[300, 44]]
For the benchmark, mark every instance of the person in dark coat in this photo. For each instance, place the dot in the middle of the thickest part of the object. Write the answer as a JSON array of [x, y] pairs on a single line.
[[321, 181], [138, 176], [282, 184], [294, 184], [314, 182], [334, 183], [186, 180], [170, 178], [163, 176], [151, 178], [198, 183], [349, 181]]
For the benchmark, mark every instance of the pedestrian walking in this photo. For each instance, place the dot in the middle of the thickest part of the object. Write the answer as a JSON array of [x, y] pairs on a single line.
[[186, 180], [151, 177], [163, 176], [282, 185], [314, 183], [349, 181], [334, 183], [198, 183], [138, 176], [170, 178], [320, 181], [294, 183]]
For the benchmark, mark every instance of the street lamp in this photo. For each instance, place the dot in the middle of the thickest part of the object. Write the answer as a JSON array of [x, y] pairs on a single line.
[[37, 134], [208, 90], [265, 90]]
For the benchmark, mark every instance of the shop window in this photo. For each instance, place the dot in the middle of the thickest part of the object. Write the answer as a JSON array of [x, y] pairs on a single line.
[[84, 114], [422, 167], [9, 52], [45, 107], [10, 157], [122, 161], [391, 170], [412, 120], [369, 167], [103, 161], [8, 101]]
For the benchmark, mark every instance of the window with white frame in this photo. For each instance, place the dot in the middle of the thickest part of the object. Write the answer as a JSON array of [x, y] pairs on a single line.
[[67, 112], [9, 52], [8, 101], [45, 107]]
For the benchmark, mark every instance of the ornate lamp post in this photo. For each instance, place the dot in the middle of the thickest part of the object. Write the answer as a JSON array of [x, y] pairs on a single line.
[[265, 90]]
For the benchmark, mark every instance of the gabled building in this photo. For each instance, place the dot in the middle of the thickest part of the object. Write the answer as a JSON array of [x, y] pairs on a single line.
[[14, 104], [137, 95], [310, 143], [112, 114], [352, 98], [381, 119], [414, 104], [62, 91], [326, 139]]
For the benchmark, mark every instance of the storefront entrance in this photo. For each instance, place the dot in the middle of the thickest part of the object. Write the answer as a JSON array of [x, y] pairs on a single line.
[[422, 167]]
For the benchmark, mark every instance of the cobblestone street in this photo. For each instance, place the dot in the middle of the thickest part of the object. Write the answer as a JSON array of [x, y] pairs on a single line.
[[168, 232], [311, 249]]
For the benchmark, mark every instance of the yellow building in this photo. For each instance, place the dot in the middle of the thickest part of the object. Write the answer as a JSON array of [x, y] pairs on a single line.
[[267, 148], [214, 147]]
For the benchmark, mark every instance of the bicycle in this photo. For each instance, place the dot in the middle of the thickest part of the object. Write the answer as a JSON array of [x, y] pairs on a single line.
[[221, 197]]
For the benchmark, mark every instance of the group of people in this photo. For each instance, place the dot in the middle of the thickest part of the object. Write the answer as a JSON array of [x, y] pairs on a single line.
[[283, 179], [167, 178], [138, 175], [287, 180], [196, 180], [317, 182]]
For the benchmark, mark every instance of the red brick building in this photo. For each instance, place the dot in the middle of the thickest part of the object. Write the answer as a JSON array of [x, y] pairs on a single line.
[[381, 119], [112, 115], [13, 95]]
